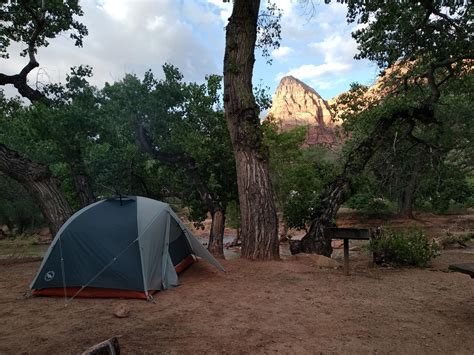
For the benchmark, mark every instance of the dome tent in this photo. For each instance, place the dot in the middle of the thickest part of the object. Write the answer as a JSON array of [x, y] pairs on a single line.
[[120, 247]]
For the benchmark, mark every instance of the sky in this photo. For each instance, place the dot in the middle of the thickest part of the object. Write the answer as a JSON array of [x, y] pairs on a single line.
[[132, 36]]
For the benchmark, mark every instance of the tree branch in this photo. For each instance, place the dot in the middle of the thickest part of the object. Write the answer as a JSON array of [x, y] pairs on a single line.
[[188, 163], [20, 80]]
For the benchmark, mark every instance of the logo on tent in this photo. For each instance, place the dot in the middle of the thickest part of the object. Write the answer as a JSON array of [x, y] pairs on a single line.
[[49, 276]]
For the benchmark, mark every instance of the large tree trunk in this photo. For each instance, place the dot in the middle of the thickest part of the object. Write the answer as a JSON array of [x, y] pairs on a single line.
[[216, 236], [40, 183], [258, 218], [82, 183]]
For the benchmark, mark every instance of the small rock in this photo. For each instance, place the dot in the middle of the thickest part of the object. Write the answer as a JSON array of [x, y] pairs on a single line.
[[121, 311]]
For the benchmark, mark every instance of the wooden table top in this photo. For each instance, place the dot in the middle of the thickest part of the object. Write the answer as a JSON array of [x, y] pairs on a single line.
[[348, 233]]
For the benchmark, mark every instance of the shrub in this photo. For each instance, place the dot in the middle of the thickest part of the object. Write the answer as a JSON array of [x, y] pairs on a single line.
[[403, 248]]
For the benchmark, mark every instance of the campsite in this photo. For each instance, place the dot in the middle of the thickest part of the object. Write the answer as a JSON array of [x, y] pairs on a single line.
[[289, 306], [236, 176]]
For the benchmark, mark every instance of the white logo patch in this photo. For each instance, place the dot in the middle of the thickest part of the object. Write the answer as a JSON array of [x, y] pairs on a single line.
[[49, 276]]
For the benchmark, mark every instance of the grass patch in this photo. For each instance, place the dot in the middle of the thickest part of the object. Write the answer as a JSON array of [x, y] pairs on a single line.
[[21, 246]]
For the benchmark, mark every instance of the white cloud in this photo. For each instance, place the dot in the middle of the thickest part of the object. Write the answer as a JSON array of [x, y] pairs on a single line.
[[117, 9], [282, 52], [311, 71], [131, 37], [155, 23], [337, 47], [224, 9]]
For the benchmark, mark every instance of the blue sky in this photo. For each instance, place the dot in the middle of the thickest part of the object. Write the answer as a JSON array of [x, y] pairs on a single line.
[[131, 36]]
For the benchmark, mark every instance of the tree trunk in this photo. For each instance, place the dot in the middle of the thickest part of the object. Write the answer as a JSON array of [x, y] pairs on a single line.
[[82, 183], [40, 183], [407, 199], [315, 241], [258, 218], [338, 191], [216, 236]]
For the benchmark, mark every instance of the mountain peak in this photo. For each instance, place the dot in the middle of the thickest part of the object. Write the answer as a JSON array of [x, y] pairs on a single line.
[[296, 103], [292, 81]]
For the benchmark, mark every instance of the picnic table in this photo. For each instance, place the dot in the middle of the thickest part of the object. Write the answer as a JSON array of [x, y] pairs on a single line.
[[346, 234], [467, 268]]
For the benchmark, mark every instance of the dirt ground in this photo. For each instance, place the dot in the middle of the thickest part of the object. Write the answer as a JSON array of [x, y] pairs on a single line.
[[288, 306]]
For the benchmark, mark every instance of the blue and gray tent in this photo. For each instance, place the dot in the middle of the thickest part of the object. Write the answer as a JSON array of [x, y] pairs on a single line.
[[119, 247]]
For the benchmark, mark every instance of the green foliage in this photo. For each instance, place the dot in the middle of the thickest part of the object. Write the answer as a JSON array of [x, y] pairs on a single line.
[[269, 29], [233, 215], [404, 248], [423, 30], [184, 121], [62, 132], [434, 160], [445, 187], [368, 197], [17, 209], [298, 174], [39, 21]]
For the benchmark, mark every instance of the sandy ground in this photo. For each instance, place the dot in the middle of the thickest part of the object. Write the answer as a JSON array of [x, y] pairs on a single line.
[[283, 306], [289, 306]]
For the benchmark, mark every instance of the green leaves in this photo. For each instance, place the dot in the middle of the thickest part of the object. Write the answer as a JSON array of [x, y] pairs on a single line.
[[184, 121], [422, 31], [404, 248], [34, 23], [298, 173]]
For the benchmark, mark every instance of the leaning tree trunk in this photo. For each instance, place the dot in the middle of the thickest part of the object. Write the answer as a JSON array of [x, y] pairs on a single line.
[[338, 191], [40, 183], [82, 183], [216, 236], [315, 241], [258, 218]]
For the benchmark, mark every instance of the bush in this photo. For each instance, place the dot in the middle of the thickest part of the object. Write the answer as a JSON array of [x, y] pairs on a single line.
[[403, 248]]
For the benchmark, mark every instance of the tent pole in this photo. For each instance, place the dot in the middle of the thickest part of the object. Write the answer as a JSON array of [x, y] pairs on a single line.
[[63, 273]]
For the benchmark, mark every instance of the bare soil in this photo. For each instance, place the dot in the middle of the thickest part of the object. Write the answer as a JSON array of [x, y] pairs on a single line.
[[288, 306]]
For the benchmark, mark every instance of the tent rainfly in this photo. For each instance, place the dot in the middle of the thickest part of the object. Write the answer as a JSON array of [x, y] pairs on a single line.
[[120, 247]]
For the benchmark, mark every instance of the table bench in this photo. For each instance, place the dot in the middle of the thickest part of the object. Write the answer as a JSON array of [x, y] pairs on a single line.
[[467, 268], [346, 234]]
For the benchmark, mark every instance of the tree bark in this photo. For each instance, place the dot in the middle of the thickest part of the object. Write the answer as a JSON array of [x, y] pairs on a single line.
[[258, 217], [216, 236], [82, 183], [40, 183], [408, 196]]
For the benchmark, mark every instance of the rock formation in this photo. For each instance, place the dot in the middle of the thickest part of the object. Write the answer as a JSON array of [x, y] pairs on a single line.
[[297, 104]]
